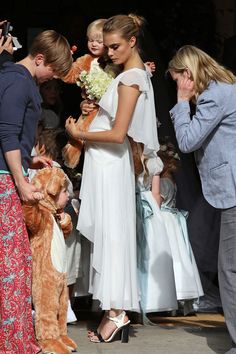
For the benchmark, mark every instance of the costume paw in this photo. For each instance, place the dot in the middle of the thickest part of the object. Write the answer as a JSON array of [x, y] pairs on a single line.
[[69, 342], [53, 346]]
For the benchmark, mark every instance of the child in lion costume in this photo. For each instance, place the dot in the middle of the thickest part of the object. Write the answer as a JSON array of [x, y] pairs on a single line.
[[47, 226]]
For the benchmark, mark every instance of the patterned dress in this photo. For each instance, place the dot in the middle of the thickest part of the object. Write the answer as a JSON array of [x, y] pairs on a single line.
[[16, 326]]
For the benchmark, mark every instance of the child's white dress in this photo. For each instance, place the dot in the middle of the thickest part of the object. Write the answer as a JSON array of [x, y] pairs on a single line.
[[155, 266], [187, 280]]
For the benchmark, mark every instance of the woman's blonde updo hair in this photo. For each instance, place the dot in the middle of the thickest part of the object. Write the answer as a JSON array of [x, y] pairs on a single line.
[[127, 25], [202, 67]]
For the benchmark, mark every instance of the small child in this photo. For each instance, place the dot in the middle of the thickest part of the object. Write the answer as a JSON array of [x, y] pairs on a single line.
[[51, 104], [187, 280], [47, 145], [47, 225], [155, 266], [87, 63]]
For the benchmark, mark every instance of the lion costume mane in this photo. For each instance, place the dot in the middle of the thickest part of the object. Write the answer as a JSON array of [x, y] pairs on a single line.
[[49, 286]]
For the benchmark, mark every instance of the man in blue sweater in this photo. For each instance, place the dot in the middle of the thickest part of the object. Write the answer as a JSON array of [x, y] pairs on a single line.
[[20, 106]]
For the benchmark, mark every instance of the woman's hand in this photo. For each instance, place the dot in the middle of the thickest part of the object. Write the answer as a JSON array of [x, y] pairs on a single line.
[[38, 162], [71, 128], [185, 87], [28, 192]]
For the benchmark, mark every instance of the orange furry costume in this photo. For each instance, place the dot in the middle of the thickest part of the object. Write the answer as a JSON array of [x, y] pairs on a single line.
[[49, 286], [72, 151]]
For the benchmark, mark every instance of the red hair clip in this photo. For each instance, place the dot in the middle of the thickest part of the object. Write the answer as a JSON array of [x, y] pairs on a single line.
[[73, 49]]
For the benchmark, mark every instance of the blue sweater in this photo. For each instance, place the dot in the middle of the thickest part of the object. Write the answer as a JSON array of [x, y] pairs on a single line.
[[20, 108]]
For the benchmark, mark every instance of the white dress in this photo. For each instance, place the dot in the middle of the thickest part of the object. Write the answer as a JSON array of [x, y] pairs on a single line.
[[187, 280], [108, 211], [155, 266]]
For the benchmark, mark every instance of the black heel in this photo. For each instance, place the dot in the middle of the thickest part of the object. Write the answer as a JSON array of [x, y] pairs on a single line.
[[125, 334], [122, 329]]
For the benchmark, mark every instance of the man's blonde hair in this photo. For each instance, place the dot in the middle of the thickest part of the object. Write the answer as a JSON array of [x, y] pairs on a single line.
[[203, 68], [55, 49]]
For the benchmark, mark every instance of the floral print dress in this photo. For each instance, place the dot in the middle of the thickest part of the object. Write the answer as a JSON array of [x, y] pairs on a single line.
[[16, 326]]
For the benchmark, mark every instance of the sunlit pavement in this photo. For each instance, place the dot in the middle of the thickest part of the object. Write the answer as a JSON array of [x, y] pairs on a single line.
[[197, 334]]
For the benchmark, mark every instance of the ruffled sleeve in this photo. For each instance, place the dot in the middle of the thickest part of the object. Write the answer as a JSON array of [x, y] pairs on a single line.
[[143, 126], [154, 165], [130, 78]]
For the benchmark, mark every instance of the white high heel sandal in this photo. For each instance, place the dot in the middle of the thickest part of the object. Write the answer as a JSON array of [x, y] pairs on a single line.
[[121, 326]]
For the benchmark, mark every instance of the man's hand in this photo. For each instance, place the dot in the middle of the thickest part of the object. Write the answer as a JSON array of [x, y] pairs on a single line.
[[5, 44]]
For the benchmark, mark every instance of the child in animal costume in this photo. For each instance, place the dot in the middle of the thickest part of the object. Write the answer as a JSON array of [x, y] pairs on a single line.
[[47, 225], [87, 63]]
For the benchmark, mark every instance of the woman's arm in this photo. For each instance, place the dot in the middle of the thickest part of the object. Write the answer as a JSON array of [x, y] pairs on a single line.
[[127, 99], [27, 191], [191, 133]]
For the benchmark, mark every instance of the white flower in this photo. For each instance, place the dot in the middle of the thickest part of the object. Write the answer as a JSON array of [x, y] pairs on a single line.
[[95, 82], [176, 156], [163, 147]]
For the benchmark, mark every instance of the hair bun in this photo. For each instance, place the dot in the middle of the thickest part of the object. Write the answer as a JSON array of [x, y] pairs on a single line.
[[138, 20]]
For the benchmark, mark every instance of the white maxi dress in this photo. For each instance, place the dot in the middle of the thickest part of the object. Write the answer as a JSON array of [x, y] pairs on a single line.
[[108, 212]]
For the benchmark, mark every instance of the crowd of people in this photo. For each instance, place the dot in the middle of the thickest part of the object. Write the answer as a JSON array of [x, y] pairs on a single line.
[[140, 256]]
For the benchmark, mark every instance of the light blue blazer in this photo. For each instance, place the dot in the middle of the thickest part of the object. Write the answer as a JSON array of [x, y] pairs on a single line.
[[211, 134]]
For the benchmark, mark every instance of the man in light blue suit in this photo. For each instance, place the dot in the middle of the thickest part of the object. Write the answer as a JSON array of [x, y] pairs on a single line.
[[211, 134]]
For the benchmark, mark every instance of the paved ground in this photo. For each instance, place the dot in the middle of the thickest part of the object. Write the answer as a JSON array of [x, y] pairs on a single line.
[[199, 334]]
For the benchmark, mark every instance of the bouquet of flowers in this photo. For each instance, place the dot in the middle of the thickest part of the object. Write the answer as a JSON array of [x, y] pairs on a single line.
[[94, 82]]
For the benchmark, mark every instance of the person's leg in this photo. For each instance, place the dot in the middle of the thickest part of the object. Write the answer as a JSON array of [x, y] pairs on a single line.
[[227, 270], [110, 324], [62, 316], [16, 324], [47, 289], [46, 293]]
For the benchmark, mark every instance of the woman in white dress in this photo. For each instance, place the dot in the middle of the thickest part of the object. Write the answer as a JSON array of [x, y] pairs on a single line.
[[108, 212]]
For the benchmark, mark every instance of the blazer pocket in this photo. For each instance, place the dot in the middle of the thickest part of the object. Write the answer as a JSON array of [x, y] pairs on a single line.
[[220, 182], [217, 170]]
